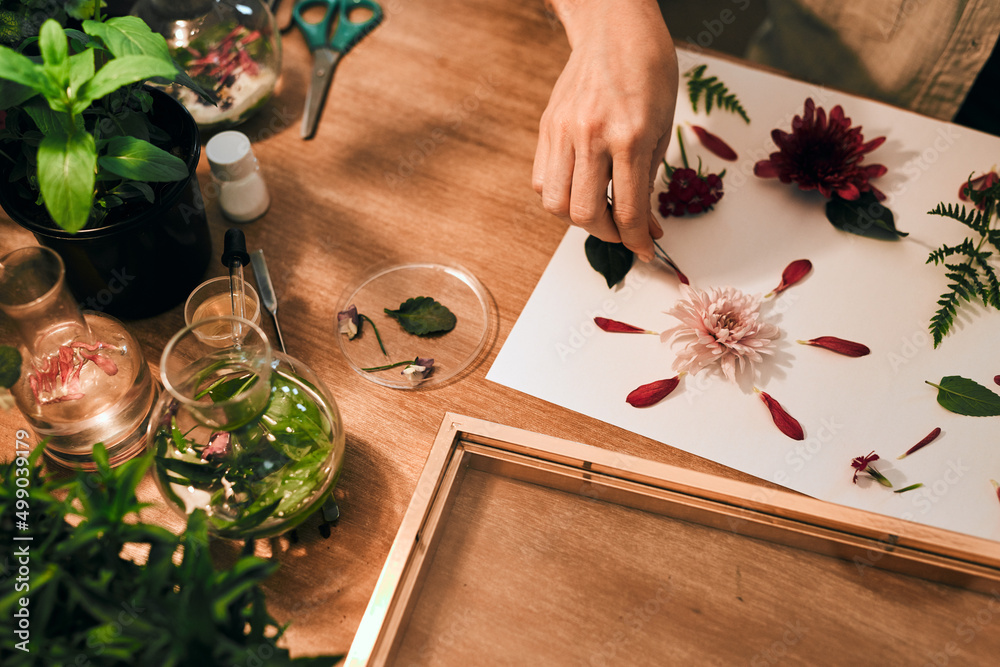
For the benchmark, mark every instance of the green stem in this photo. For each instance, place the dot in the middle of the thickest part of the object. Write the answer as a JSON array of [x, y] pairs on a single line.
[[388, 366], [377, 337], [911, 487], [680, 143]]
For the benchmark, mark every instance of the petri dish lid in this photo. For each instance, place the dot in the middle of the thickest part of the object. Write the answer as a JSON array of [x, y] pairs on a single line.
[[453, 352]]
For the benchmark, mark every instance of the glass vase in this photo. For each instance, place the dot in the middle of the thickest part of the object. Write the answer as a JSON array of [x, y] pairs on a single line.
[[248, 435], [83, 379], [231, 48]]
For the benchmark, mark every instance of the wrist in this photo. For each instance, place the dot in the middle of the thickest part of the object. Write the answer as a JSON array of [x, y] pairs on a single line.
[[581, 18]]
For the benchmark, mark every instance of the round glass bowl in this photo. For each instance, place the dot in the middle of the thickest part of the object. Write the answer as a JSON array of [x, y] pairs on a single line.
[[212, 299], [244, 433], [453, 352]]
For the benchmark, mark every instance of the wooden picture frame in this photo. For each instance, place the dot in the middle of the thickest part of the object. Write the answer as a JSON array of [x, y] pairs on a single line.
[[539, 550]]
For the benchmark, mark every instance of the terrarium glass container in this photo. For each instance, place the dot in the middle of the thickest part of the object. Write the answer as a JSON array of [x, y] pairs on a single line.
[[83, 379], [231, 48], [247, 434]]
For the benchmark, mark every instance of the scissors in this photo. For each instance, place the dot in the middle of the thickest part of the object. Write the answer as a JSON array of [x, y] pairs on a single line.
[[328, 44]]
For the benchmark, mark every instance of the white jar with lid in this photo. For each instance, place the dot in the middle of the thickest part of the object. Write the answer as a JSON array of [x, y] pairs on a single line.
[[243, 194]]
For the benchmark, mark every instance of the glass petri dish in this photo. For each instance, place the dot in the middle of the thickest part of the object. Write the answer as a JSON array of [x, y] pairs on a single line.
[[453, 352]]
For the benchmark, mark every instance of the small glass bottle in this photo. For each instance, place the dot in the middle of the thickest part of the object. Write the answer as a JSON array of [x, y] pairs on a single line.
[[243, 194], [83, 379], [231, 48]]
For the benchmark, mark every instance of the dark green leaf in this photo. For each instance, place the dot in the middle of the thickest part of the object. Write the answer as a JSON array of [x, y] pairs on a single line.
[[66, 175], [197, 473], [140, 160], [422, 315], [10, 366], [966, 397], [865, 216], [611, 260]]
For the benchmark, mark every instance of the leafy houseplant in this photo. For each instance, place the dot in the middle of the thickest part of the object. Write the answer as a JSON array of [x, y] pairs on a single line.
[[86, 148], [84, 598]]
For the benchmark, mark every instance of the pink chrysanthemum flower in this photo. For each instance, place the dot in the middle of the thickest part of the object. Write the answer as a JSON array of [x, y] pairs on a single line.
[[719, 326], [823, 153]]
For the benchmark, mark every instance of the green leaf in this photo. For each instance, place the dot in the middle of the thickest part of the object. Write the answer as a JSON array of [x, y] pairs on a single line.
[[81, 68], [611, 260], [128, 36], [10, 366], [67, 167], [865, 216], [140, 160], [53, 45], [121, 72], [966, 397], [20, 69], [422, 316]]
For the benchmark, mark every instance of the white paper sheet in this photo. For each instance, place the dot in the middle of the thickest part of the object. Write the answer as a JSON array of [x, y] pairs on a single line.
[[875, 292]]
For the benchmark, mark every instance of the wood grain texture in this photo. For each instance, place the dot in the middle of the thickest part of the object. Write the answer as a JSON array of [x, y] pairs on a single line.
[[424, 149]]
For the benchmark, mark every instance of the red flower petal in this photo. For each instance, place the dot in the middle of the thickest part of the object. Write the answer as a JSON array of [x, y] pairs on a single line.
[[714, 144], [792, 274], [838, 345], [928, 439], [614, 326], [784, 421], [996, 379], [652, 393]]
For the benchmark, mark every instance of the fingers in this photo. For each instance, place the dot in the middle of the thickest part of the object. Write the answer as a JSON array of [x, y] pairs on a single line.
[[589, 197], [631, 202]]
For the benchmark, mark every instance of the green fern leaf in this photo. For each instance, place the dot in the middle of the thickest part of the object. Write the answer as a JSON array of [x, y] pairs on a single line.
[[943, 318], [713, 91], [991, 295]]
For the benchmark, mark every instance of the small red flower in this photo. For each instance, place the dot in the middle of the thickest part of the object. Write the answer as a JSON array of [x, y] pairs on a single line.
[[864, 464], [823, 153], [979, 183], [690, 193]]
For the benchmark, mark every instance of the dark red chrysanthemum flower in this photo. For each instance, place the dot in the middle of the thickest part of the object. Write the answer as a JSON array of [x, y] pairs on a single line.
[[979, 183], [690, 193], [823, 153]]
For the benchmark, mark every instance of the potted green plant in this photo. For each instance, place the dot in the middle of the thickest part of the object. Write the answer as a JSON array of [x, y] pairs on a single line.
[[102, 168]]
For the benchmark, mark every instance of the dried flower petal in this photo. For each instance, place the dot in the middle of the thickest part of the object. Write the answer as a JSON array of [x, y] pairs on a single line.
[[349, 322], [652, 393], [996, 379], [614, 326], [714, 144], [784, 421], [839, 345], [928, 439], [996, 486], [792, 274]]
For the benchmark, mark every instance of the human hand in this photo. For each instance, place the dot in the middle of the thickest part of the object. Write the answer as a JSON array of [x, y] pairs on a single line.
[[609, 118]]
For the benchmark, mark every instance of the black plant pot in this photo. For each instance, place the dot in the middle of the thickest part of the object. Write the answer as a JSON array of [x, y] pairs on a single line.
[[143, 262]]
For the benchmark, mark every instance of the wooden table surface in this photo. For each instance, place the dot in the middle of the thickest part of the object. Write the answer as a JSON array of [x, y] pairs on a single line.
[[424, 149]]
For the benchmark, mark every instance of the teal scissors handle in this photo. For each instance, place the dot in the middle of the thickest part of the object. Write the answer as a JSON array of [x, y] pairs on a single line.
[[346, 34]]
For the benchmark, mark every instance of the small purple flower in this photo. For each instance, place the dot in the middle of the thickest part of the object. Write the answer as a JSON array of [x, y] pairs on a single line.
[[349, 322], [218, 445], [418, 371]]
